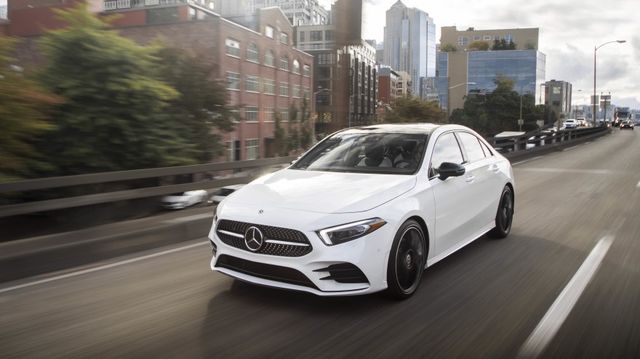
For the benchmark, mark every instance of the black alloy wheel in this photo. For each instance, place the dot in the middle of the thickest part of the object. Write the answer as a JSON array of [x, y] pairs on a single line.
[[504, 217], [407, 260]]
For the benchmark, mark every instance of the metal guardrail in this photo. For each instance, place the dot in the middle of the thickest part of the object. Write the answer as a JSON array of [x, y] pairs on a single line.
[[118, 176], [510, 146]]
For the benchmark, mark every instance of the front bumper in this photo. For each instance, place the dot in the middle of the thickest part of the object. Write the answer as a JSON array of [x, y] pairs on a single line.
[[369, 254]]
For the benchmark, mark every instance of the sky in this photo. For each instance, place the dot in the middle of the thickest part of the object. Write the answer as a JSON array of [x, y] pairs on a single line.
[[569, 31]]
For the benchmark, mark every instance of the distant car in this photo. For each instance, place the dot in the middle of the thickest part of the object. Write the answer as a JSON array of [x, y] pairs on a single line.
[[184, 199], [223, 192], [570, 124], [627, 124]]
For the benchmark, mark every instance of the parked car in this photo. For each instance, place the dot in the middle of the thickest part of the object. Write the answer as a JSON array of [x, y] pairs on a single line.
[[223, 192], [570, 124], [184, 199], [366, 209], [627, 124]]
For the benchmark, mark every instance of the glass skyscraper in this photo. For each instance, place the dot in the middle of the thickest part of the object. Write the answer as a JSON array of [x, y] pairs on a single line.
[[525, 67]]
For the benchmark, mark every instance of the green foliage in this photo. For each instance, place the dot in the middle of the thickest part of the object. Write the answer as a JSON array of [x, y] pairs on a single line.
[[305, 125], [201, 105], [23, 115], [448, 48], [479, 46], [503, 45], [294, 137], [497, 111], [412, 109], [279, 136], [113, 117]]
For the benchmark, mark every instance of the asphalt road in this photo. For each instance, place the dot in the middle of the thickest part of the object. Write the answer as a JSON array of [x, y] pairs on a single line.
[[486, 301]]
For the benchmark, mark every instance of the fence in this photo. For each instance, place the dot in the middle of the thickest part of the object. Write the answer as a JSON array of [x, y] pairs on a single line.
[[245, 171]]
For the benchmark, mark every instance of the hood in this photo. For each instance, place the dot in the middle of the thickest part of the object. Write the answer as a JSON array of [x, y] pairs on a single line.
[[322, 192]]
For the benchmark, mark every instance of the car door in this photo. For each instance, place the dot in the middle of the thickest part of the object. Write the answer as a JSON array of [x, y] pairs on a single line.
[[452, 209], [481, 176]]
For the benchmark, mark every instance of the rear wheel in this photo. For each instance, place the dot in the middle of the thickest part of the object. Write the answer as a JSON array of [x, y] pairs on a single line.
[[406, 260], [504, 217]]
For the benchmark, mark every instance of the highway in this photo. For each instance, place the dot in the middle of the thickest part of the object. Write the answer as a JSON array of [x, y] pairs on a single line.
[[564, 284]]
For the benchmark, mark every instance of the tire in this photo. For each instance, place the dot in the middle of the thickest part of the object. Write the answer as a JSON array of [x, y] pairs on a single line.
[[407, 260], [504, 216]]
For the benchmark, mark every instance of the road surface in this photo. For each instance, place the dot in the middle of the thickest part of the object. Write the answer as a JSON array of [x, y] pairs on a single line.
[[565, 284]]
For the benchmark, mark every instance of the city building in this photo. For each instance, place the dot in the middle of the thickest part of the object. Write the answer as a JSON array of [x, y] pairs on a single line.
[[557, 98], [262, 70], [299, 12], [410, 46], [387, 85], [345, 75], [463, 64]]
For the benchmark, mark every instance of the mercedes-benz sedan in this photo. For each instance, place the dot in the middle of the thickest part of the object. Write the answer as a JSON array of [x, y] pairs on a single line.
[[366, 209]]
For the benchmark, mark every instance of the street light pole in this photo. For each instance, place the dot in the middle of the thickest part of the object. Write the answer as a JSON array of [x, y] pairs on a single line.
[[449, 93], [595, 51]]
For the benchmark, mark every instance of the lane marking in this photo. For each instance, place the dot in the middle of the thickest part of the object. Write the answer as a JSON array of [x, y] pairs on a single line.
[[566, 170], [99, 268], [570, 148], [194, 217], [525, 161], [560, 309]]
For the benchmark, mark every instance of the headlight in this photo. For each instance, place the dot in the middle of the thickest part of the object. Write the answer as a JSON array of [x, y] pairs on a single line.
[[350, 231]]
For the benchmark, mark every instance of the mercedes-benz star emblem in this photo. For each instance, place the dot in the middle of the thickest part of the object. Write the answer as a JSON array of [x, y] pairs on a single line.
[[253, 239]]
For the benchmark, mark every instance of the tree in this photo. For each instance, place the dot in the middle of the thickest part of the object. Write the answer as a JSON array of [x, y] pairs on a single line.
[[502, 44], [448, 48], [280, 143], [201, 104], [479, 46], [24, 108], [305, 131], [412, 109], [294, 137], [113, 116]]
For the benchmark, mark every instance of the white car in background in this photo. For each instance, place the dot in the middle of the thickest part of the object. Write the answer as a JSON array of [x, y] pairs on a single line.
[[223, 192], [366, 209], [184, 199], [571, 124]]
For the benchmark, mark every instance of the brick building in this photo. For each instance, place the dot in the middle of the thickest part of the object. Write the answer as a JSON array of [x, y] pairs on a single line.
[[262, 70]]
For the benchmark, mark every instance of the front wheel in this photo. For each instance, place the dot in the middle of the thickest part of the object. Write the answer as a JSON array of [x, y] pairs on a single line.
[[504, 217], [406, 260]]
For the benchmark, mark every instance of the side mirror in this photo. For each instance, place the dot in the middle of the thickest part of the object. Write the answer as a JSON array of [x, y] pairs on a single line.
[[448, 169]]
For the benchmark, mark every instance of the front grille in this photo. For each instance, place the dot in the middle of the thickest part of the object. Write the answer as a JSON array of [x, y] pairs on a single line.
[[265, 271], [344, 273], [299, 243]]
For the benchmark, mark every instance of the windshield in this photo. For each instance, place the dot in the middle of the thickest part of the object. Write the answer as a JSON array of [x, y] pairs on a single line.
[[390, 153]]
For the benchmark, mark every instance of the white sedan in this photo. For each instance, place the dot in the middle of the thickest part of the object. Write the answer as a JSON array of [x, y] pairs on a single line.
[[184, 199], [366, 209]]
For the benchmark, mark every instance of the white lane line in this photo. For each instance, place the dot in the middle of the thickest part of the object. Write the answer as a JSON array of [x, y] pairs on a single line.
[[560, 309], [525, 161], [570, 148], [99, 268], [567, 170]]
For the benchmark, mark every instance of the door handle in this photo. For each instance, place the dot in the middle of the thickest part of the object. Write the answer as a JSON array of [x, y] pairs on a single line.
[[470, 178], [494, 168]]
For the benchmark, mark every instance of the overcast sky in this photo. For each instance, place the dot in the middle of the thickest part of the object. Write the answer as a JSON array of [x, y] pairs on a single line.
[[569, 30]]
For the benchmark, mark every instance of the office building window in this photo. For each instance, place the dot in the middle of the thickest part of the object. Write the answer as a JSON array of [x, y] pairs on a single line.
[[253, 54], [306, 70], [268, 114], [301, 35], [233, 80], [252, 83], [251, 146], [233, 47], [284, 89], [269, 86], [296, 91], [231, 150], [284, 63], [269, 58], [251, 114], [284, 38], [328, 35], [284, 114], [306, 93], [315, 35], [296, 67], [268, 31]]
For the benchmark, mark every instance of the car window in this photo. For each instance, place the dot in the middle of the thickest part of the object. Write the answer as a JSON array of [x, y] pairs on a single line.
[[472, 146], [446, 149]]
